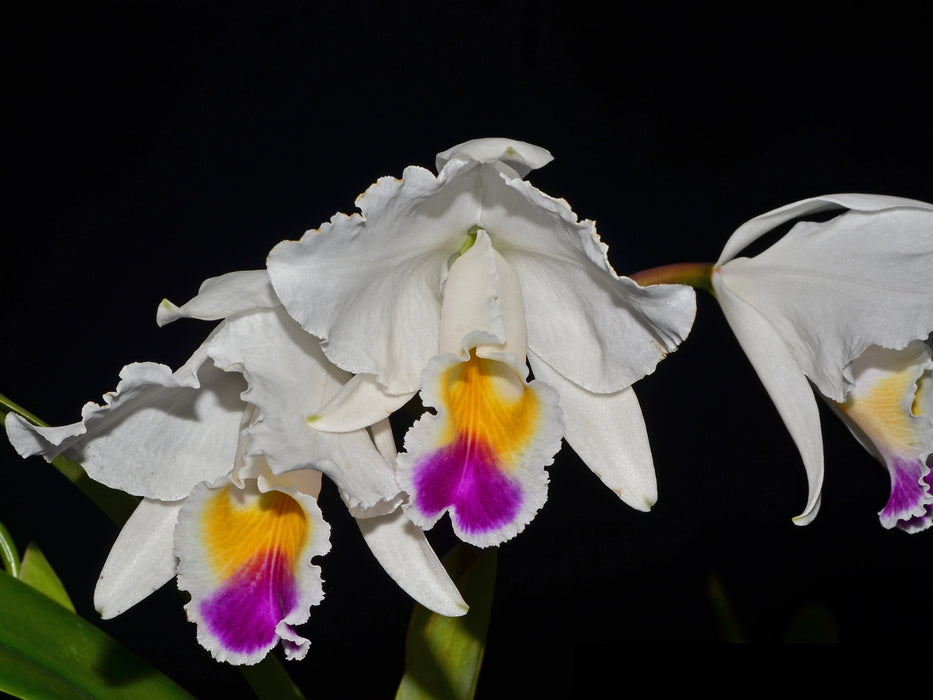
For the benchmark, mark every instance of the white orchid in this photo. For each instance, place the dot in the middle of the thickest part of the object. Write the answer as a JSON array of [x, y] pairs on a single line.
[[847, 305], [450, 284], [229, 472]]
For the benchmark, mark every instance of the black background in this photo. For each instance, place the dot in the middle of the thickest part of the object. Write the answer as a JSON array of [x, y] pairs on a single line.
[[150, 145]]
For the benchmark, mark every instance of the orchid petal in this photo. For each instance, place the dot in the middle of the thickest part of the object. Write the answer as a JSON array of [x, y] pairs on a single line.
[[141, 560], [483, 456], [369, 284], [156, 436], [792, 395], [620, 330], [830, 289], [287, 387], [360, 403], [608, 433], [219, 297], [244, 556], [755, 228], [406, 555]]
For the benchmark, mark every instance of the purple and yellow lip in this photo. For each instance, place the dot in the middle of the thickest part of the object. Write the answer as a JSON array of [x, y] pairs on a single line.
[[248, 570], [482, 457], [887, 408]]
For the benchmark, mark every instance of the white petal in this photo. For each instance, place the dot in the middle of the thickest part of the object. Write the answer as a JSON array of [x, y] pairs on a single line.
[[369, 285], [520, 156], [406, 555], [831, 289], [753, 229], [156, 436], [223, 296], [620, 330], [360, 403], [608, 432], [289, 380], [141, 560], [785, 384]]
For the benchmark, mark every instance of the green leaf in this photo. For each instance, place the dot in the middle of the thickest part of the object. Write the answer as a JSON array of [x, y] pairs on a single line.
[[444, 654], [47, 651], [38, 573]]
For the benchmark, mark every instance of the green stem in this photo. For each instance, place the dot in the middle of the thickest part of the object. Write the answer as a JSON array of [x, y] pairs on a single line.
[[8, 553], [697, 275], [19, 410]]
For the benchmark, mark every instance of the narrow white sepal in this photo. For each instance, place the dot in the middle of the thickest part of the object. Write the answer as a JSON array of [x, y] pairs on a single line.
[[141, 560], [608, 433], [406, 555], [786, 385]]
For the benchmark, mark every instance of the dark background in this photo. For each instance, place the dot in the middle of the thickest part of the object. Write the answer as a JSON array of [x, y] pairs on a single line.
[[150, 145]]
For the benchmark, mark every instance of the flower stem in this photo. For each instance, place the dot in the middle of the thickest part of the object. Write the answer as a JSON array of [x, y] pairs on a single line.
[[697, 275]]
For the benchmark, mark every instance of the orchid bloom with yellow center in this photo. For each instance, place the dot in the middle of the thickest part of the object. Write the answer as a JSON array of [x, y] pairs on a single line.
[[844, 305], [889, 409], [229, 472], [454, 285]]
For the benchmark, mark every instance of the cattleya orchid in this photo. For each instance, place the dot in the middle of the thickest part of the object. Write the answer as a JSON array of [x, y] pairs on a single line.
[[452, 285], [229, 472], [890, 411], [847, 306]]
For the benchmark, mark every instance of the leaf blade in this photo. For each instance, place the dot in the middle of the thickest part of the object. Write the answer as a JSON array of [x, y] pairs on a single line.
[[48, 652]]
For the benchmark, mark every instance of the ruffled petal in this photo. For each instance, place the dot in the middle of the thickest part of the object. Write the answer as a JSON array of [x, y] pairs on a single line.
[[608, 432], [156, 436], [620, 330], [788, 388], [244, 556], [886, 409], [289, 381], [402, 549], [142, 559], [831, 289], [223, 296], [369, 284], [483, 456]]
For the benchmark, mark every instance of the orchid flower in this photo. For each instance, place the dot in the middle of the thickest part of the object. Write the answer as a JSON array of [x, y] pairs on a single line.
[[453, 285], [847, 306], [229, 471], [890, 411]]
